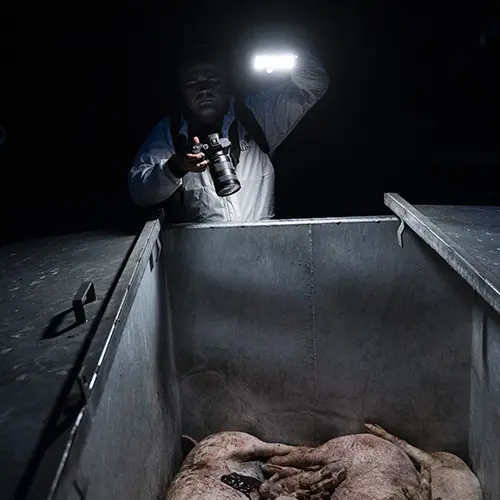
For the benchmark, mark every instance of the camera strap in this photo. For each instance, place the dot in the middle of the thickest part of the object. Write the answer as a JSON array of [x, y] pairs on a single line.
[[243, 115]]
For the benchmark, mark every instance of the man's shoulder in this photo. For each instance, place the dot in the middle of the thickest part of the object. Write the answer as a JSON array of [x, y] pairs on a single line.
[[164, 122], [163, 126]]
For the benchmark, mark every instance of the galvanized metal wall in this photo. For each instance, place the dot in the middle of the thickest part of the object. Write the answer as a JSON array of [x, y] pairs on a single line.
[[301, 331], [485, 399], [133, 447]]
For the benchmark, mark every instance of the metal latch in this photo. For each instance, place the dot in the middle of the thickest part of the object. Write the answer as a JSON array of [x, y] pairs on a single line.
[[401, 229]]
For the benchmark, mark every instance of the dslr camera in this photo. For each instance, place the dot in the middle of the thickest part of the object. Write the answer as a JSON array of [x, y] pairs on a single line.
[[222, 170]]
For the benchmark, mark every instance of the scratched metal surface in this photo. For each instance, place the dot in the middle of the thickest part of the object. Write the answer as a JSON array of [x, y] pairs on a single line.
[[467, 238], [476, 229], [39, 343], [300, 332], [485, 398]]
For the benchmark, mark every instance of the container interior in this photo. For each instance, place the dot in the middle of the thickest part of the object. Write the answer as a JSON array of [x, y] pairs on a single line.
[[298, 332]]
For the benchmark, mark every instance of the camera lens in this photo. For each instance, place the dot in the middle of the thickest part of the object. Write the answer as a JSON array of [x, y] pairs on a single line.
[[224, 176]]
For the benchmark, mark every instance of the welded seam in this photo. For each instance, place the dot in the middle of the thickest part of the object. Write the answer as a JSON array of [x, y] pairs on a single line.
[[313, 331]]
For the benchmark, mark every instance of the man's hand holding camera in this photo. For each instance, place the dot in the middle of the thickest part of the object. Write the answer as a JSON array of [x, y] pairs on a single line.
[[180, 165]]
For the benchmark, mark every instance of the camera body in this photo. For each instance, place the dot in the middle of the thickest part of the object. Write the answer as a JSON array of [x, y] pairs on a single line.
[[221, 168]]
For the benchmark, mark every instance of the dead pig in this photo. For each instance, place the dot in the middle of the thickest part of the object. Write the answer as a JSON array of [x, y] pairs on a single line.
[[450, 477], [312, 483], [376, 469], [218, 456]]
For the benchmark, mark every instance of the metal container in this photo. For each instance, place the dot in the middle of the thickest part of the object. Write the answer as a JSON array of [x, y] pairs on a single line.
[[294, 331]]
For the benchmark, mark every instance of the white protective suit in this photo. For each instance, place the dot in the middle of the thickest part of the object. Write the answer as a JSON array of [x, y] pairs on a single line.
[[277, 110]]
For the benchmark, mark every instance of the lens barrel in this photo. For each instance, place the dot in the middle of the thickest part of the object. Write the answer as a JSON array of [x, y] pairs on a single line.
[[223, 174]]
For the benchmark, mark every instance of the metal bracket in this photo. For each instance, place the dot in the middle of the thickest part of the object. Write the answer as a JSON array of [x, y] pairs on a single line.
[[158, 248], [155, 254], [84, 295], [401, 229]]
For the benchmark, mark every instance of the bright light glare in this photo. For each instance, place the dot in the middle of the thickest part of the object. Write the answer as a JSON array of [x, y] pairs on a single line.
[[271, 62]]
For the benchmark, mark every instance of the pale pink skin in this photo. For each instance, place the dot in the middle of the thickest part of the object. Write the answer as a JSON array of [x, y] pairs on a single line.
[[376, 469], [451, 478], [214, 457]]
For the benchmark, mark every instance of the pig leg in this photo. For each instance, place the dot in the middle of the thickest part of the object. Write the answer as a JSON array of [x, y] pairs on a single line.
[[425, 483], [322, 490], [412, 494], [301, 458], [321, 496], [306, 480], [417, 455], [276, 472], [302, 495], [314, 467], [425, 491], [279, 472], [263, 450], [273, 491], [329, 484], [288, 472], [317, 482]]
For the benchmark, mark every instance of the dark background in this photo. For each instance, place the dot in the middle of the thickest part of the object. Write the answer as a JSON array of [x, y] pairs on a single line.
[[413, 105]]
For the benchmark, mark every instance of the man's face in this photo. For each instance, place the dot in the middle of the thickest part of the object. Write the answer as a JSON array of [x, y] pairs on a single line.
[[204, 91]]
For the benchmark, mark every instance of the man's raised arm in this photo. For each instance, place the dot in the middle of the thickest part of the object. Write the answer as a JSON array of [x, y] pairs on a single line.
[[280, 108]]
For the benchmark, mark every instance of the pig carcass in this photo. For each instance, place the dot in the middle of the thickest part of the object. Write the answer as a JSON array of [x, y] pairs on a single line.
[[232, 466], [368, 466], [213, 468], [238, 466], [375, 469], [450, 476]]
